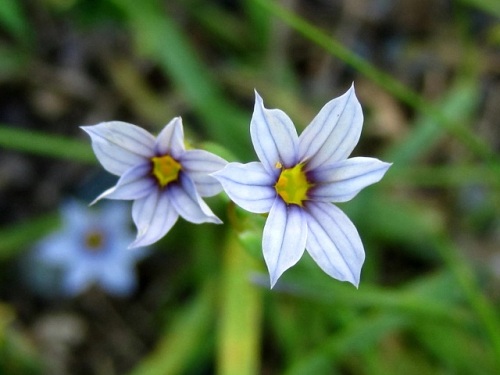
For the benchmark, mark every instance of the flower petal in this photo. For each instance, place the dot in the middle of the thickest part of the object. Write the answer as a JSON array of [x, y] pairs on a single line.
[[274, 137], [248, 185], [333, 242], [120, 280], [284, 238], [77, 279], [54, 249], [133, 184], [188, 203], [119, 145], [333, 133], [198, 164], [153, 216], [341, 181], [171, 139]]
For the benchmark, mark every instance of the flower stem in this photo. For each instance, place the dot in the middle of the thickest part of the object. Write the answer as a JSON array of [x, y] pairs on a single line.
[[240, 314]]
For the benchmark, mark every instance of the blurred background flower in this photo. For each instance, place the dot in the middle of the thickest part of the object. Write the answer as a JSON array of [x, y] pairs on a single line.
[[90, 248]]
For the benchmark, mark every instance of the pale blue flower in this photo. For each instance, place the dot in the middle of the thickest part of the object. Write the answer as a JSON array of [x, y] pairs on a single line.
[[296, 180], [162, 178], [91, 248]]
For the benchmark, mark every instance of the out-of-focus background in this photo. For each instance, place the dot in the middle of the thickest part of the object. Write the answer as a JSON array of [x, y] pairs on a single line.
[[427, 74]]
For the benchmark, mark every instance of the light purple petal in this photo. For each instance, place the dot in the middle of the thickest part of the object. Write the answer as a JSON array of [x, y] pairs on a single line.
[[75, 215], [54, 249], [333, 242], [115, 216], [171, 139], [119, 280], [77, 279], [333, 133], [341, 181], [274, 137], [198, 164], [249, 186], [153, 216], [133, 184], [188, 203], [284, 238], [119, 145]]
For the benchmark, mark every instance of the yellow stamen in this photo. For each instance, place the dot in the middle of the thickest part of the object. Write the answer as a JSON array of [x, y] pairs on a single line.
[[292, 185], [94, 241], [165, 169]]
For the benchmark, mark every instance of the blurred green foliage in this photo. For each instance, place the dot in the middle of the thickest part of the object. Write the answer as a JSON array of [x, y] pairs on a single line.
[[426, 303]]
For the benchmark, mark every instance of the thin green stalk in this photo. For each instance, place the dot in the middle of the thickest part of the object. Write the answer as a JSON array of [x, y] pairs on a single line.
[[177, 349], [441, 176], [385, 80], [479, 303], [240, 314], [46, 144], [19, 236]]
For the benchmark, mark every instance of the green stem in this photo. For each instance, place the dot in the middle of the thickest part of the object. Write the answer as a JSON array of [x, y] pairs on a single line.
[[240, 314]]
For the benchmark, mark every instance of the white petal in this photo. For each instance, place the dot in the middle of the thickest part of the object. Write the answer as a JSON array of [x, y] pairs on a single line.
[[333, 133], [171, 139], [274, 137], [119, 145], [198, 164], [333, 242], [133, 184], [341, 181], [188, 203], [153, 215], [248, 185], [284, 238]]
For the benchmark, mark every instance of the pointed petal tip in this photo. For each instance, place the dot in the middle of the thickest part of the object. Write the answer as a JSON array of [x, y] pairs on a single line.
[[272, 281], [258, 98], [216, 220], [95, 200], [216, 173], [136, 244], [88, 129], [385, 167], [355, 282], [139, 241], [176, 119]]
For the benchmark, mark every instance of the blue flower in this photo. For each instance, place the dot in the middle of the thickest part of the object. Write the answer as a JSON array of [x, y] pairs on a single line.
[[162, 178], [91, 247], [296, 181]]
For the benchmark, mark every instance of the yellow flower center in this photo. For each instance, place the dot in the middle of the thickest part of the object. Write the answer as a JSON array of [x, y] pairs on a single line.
[[165, 169], [292, 185], [94, 241]]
